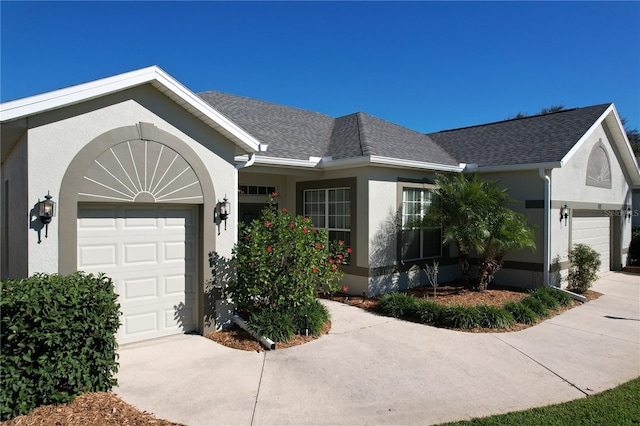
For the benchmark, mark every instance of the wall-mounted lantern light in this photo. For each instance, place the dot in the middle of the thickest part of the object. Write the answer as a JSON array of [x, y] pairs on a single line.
[[46, 211], [224, 209], [564, 213]]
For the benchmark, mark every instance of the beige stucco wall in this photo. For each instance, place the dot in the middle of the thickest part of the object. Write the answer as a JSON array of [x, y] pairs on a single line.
[[568, 185], [16, 212], [56, 137]]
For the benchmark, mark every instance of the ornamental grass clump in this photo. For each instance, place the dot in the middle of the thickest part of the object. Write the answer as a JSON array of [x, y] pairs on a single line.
[[463, 317], [282, 262], [495, 317], [398, 305], [521, 313]]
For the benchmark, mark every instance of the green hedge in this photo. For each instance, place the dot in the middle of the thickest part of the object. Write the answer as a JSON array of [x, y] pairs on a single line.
[[58, 339]]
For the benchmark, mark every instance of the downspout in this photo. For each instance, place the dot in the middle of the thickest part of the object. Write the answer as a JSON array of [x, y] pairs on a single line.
[[249, 162], [547, 238], [547, 222]]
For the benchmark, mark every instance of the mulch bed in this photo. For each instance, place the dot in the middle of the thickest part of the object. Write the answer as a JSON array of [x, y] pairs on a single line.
[[94, 408]]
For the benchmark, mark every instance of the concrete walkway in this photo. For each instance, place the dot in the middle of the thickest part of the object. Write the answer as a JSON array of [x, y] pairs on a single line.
[[377, 370]]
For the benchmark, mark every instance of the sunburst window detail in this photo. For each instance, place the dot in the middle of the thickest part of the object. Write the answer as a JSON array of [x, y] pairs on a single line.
[[598, 168], [143, 172]]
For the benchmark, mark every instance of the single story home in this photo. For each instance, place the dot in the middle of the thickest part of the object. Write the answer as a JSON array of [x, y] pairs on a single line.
[[151, 180]]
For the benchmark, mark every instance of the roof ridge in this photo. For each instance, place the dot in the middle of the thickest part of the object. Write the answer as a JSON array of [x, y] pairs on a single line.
[[526, 117]]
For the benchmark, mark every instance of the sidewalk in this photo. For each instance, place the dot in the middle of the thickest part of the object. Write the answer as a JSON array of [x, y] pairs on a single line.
[[378, 370]]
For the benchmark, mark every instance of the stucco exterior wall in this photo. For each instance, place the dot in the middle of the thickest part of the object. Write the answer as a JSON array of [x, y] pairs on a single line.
[[56, 137], [568, 185], [16, 212]]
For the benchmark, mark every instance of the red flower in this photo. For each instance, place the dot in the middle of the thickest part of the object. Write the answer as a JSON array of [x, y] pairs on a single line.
[[318, 246], [349, 250], [315, 269], [340, 256], [268, 224], [334, 267], [340, 242], [345, 288], [292, 225], [338, 261], [269, 249], [284, 210], [305, 230], [331, 261], [274, 194]]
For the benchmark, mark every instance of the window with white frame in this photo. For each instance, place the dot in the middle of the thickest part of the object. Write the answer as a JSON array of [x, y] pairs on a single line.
[[420, 239], [330, 209]]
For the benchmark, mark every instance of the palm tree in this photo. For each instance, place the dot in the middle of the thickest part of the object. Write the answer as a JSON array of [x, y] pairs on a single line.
[[508, 230]]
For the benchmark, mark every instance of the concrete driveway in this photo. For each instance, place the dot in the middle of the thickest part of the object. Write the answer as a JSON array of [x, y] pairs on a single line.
[[377, 370]]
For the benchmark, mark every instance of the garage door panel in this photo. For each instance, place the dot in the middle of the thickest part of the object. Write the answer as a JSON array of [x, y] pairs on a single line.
[[97, 257], [140, 254], [153, 265], [594, 230], [144, 288]]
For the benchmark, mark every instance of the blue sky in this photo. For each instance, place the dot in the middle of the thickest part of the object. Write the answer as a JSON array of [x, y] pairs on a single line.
[[428, 66]]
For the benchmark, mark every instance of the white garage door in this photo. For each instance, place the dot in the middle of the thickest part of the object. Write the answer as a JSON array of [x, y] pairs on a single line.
[[593, 229], [150, 253]]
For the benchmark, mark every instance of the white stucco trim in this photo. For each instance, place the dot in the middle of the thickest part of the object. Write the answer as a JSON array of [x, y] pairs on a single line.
[[327, 163], [611, 117], [153, 75]]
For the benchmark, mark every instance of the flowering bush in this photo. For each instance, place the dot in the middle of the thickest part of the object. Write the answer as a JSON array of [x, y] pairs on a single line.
[[282, 262]]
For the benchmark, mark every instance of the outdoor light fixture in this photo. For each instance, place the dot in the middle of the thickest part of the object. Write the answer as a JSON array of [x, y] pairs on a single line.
[[224, 208], [628, 213], [564, 213], [46, 211]]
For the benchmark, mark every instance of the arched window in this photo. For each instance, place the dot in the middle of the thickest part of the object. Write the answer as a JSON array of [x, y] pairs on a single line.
[[598, 167]]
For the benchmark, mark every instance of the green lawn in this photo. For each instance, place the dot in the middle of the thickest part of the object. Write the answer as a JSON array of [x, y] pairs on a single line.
[[615, 407]]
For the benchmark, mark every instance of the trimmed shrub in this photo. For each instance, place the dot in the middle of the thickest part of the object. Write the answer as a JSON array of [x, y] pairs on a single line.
[[585, 263], [521, 313], [544, 297], [634, 247], [455, 316], [276, 325], [316, 316], [536, 306], [428, 312], [495, 317], [58, 339], [398, 305]]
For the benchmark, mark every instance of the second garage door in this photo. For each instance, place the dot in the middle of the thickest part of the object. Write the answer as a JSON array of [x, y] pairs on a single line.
[[593, 229], [150, 253]]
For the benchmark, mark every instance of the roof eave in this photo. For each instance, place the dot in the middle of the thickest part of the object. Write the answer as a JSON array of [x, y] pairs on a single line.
[[327, 163], [153, 75], [474, 168]]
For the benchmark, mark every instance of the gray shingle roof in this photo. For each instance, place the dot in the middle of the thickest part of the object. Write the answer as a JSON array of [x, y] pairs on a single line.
[[289, 132], [299, 134], [536, 139]]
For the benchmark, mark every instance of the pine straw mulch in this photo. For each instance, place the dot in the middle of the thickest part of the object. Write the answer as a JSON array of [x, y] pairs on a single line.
[[105, 408]]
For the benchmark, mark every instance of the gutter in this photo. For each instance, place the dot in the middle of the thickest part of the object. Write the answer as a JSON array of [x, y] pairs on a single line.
[[547, 238]]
